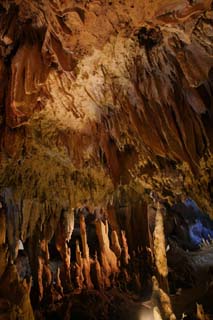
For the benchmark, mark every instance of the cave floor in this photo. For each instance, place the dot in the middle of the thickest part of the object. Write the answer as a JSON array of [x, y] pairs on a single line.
[[202, 292], [117, 304], [203, 259], [110, 304]]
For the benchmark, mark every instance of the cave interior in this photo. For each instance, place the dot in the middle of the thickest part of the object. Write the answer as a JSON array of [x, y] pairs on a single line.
[[106, 159]]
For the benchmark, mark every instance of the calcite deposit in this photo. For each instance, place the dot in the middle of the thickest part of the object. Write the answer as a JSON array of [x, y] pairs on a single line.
[[105, 106]]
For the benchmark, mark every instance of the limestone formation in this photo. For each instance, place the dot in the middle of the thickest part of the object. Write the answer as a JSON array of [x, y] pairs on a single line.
[[109, 263], [63, 235], [86, 257], [160, 248], [105, 109], [115, 244], [162, 301]]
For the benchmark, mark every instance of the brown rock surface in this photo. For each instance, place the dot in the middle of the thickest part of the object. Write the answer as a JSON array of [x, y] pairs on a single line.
[[101, 102], [86, 80]]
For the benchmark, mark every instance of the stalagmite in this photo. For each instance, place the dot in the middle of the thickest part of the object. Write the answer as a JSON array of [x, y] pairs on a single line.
[[62, 236], [161, 301], [78, 254], [2, 226], [116, 248], [150, 256], [200, 313], [109, 264], [125, 250], [44, 272], [17, 293], [160, 249], [156, 314], [85, 258], [59, 287], [27, 206], [103, 105], [97, 274], [4, 254], [79, 278]]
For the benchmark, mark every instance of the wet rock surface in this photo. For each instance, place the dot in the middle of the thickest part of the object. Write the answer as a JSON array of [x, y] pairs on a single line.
[[105, 107]]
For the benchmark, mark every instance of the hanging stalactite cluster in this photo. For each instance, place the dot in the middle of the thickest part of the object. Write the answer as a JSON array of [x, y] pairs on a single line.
[[102, 103]]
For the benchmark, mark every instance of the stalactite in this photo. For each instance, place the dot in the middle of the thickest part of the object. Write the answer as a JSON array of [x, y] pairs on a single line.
[[40, 278], [99, 96], [125, 258], [29, 71], [39, 258], [33, 252], [135, 219], [113, 217], [84, 237], [26, 210], [39, 262], [136, 272]]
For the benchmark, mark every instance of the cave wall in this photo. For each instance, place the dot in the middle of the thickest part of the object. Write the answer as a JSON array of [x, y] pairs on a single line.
[[98, 97], [83, 81]]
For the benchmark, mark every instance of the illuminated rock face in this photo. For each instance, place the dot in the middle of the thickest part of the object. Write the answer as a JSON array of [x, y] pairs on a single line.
[[98, 97], [124, 87]]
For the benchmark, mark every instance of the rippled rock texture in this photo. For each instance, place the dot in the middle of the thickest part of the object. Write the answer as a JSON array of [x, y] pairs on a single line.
[[97, 93], [100, 99]]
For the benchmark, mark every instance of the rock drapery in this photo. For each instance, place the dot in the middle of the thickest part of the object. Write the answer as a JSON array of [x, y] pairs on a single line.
[[101, 103]]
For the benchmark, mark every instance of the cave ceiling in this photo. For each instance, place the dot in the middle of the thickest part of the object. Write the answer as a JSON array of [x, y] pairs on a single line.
[[100, 94]]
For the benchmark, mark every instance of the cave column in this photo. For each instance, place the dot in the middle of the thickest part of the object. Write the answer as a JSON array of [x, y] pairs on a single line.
[[160, 249]]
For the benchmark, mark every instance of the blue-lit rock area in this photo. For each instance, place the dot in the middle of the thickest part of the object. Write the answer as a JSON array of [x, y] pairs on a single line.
[[189, 255], [195, 225]]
